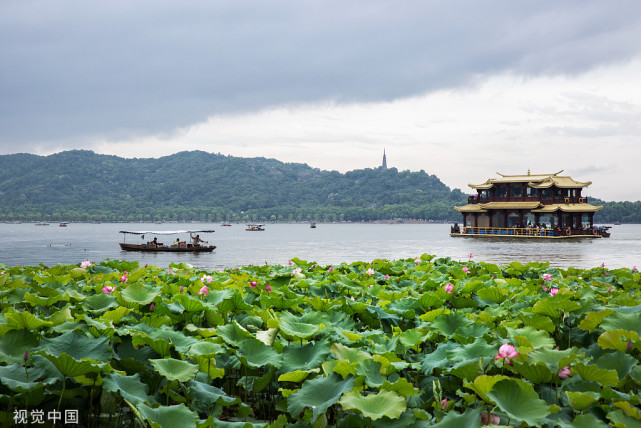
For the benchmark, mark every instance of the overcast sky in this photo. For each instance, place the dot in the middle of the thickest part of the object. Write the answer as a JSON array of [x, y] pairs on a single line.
[[460, 89]]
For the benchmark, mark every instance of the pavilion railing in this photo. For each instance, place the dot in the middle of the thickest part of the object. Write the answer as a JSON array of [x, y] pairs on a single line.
[[525, 231]]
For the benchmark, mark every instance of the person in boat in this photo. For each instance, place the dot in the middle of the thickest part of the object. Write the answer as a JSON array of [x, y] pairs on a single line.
[[155, 242], [177, 243], [196, 239]]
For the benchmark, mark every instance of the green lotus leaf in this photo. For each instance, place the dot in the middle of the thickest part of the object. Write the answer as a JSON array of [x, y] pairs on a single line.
[[531, 337], [205, 349], [620, 419], [318, 394], [412, 337], [295, 376], [14, 344], [593, 373], [140, 294], [372, 371], [628, 409], [581, 400], [536, 373], [161, 346], [552, 357], [466, 371], [438, 358], [189, 303], [172, 416], [350, 354], [473, 352], [471, 418], [268, 337], [592, 319], [429, 300], [204, 396], [233, 334], [78, 346], [617, 339], [173, 369], [305, 357], [402, 387], [62, 316], [234, 304], [180, 340], [255, 353], [208, 365], [635, 374], [493, 294], [484, 384], [619, 361], [432, 315], [35, 300], [25, 320], [99, 303], [70, 367], [374, 406], [448, 324], [14, 377], [539, 322], [551, 308], [584, 421], [622, 321], [116, 315], [129, 387], [519, 401], [298, 329]]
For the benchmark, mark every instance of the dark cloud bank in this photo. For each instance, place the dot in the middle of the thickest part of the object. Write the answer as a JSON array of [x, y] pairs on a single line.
[[72, 70]]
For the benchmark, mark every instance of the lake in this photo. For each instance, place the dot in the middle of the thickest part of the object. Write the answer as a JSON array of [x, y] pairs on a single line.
[[28, 244]]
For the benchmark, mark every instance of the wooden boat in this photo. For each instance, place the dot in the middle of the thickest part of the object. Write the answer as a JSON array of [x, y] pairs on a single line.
[[64, 224], [255, 227], [226, 224], [176, 247], [312, 225], [540, 206]]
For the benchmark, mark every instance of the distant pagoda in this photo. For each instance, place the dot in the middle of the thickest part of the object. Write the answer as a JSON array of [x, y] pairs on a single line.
[[384, 165]]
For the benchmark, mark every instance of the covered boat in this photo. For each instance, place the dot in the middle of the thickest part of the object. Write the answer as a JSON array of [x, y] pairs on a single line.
[[177, 246], [529, 206]]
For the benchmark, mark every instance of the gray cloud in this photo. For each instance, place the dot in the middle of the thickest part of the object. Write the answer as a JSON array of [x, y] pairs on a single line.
[[73, 70]]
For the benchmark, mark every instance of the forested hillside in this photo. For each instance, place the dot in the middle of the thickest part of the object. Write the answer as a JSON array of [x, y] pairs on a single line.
[[81, 185]]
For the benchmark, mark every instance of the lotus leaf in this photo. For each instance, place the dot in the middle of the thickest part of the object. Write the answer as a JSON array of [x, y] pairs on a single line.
[[172, 416], [205, 395], [484, 384], [519, 400], [233, 334], [255, 353], [14, 344], [129, 387], [140, 294], [319, 394], [581, 400], [77, 346], [471, 418], [593, 373], [622, 420], [305, 357], [70, 367], [25, 320], [173, 369], [374, 406], [99, 303]]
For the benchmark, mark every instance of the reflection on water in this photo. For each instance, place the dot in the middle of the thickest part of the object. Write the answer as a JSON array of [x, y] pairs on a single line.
[[26, 244]]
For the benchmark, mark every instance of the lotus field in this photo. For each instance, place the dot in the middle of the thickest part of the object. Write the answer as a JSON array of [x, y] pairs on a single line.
[[407, 343]]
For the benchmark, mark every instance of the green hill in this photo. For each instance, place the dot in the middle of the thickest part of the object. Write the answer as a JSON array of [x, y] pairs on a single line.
[[81, 185]]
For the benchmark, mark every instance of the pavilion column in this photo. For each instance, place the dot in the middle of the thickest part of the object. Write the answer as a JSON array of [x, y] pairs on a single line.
[[476, 220], [490, 214], [520, 218], [504, 218]]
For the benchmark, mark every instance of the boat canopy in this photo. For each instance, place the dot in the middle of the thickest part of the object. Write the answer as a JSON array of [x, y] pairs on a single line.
[[164, 232]]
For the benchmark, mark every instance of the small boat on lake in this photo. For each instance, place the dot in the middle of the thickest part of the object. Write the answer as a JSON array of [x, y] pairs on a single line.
[[226, 224], [542, 206], [312, 225], [176, 247], [63, 224], [255, 228]]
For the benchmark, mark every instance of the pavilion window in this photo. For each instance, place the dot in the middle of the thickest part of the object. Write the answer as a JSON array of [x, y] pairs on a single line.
[[531, 192], [546, 194], [500, 192], [484, 195], [515, 191], [513, 220]]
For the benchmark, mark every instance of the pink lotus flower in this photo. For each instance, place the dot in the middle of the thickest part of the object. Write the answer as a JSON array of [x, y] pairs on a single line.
[[169, 271], [634, 268], [628, 346], [108, 289], [545, 288], [289, 262], [124, 278], [449, 287], [268, 288], [152, 307], [565, 372], [554, 291], [489, 418], [386, 277], [506, 351], [207, 278], [85, 264], [417, 260], [469, 256], [609, 288], [370, 271], [203, 290], [331, 268], [352, 298], [547, 276], [444, 404], [26, 355], [602, 265], [182, 288], [465, 269], [297, 270], [252, 284]]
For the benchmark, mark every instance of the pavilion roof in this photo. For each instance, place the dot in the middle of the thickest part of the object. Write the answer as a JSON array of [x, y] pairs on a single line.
[[537, 181], [569, 208]]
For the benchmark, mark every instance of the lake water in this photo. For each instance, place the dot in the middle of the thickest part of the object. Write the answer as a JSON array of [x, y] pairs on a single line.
[[28, 244]]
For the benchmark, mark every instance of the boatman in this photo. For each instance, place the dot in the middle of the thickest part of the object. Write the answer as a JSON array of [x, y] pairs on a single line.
[[196, 239]]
